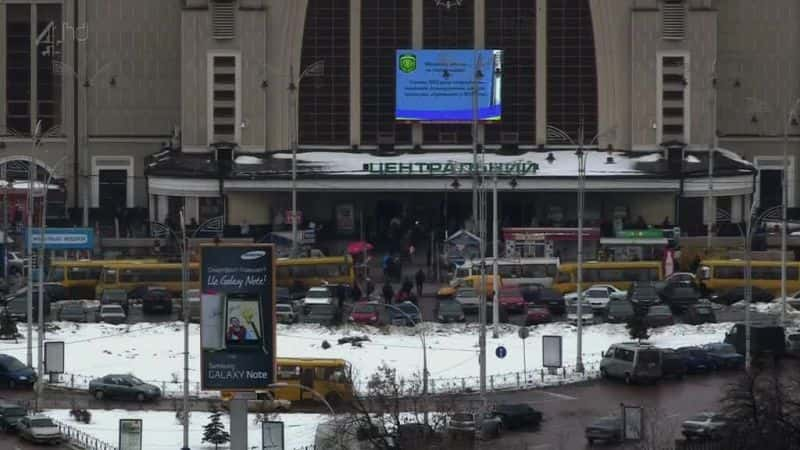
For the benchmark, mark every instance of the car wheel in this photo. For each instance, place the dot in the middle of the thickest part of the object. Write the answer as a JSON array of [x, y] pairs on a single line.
[[628, 379], [140, 397], [98, 394], [603, 373], [590, 441]]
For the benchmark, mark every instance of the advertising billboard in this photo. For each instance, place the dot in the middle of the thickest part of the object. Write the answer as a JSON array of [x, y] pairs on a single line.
[[63, 238], [237, 316], [552, 355], [130, 434], [438, 85]]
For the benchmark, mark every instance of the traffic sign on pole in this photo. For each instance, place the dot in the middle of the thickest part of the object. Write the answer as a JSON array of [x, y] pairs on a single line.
[[501, 352]]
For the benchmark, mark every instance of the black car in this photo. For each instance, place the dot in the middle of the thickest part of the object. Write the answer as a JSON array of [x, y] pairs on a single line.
[[13, 373], [697, 360], [619, 311], [680, 296], [724, 356], [17, 304], [606, 429], [416, 435], [517, 415], [659, 316], [449, 311], [10, 414], [765, 337], [123, 386], [643, 295], [737, 294], [543, 296], [672, 364], [699, 313], [157, 299]]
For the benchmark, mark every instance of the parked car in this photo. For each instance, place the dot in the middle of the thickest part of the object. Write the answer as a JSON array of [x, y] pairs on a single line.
[[536, 314], [724, 356], [16, 304], [416, 435], [606, 429], [501, 311], [699, 313], [705, 425], [681, 278], [764, 338], [323, 314], [539, 295], [737, 294], [366, 313], [39, 429], [113, 314], [449, 311], [320, 295], [672, 364], [75, 311], [469, 299], [614, 292], [643, 295], [587, 314], [659, 316], [285, 314], [13, 373], [407, 315], [16, 263], [123, 387], [793, 344], [793, 300], [680, 296], [475, 425], [598, 297], [632, 362], [619, 311], [697, 360], [10, 415], [517, 415], [157, 298], [115, 297], [511, 299]]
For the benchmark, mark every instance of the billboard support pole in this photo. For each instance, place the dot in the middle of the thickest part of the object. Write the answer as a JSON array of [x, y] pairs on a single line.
[[185, 311], [238, 433]]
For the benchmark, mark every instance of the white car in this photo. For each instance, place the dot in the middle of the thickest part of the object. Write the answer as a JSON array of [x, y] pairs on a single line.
[[469, 299], [587, 313], [613, 292], [318, 296], [598, 297], [113, 314]]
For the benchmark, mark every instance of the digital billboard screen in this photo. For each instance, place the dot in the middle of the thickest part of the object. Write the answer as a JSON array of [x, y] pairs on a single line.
[[438, 85]]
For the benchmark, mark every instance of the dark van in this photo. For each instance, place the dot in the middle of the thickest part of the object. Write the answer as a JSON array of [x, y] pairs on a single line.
[[763, 338]]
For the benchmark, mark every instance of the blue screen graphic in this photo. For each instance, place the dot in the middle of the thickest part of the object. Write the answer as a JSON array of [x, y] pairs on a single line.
[[438, 85]]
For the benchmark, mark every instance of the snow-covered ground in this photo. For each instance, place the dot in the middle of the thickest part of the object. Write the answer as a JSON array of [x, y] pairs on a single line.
[[161, 431], [153, 352]]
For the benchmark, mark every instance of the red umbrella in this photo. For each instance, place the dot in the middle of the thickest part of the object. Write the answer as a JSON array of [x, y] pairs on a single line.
[[355, 248]]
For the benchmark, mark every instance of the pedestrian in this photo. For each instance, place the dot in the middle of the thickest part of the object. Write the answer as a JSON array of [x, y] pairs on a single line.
[[387, 263], [695, 263], [388, 292], [370, 287], [420, 279], [356, 293], [411, 251], [407, 285]]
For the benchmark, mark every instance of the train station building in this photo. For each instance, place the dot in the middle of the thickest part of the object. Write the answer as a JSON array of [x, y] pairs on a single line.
[[154, 106]]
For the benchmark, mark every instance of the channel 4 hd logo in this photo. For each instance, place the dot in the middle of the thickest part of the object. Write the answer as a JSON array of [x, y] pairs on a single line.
[[408, 63]]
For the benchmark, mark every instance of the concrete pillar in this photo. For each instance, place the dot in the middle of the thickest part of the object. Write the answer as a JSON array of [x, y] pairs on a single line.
[[162, 205], [238, 424], [541, 71], [712, 204], [355, 72], [417, 39], [192, 207], [736, 208]]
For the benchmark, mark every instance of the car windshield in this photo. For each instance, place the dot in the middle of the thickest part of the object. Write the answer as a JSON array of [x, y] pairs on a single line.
[[42, 423], [573, 309], [115, 295], [467, 293], [702, 310], [723, 348], [794, 337], [13, 364], [462, 417], [644, 292], [322, 309], [450, 307], [364, 308], [597, 293], [702, 417], [56, 274], [317, 294], [620, 307], [659, 311], [283, 307], [73, 307], [133, 380], [14, 411], [606, 422], [111, 309]]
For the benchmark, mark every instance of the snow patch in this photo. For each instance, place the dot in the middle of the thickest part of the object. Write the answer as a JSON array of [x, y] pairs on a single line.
[[248, 160]]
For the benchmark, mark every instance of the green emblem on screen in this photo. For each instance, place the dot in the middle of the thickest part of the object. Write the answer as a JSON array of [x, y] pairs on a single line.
[[408, 63]]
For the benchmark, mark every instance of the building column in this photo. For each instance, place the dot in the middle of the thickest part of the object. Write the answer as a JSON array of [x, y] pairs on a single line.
[[161, 211], [736, 208], [192, 208], [541, 72], [152, 207], [417, 40], [711, 204], [355, 72]]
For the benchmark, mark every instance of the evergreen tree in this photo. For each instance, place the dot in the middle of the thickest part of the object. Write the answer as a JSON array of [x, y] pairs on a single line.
[[637, 328], [214, 431]]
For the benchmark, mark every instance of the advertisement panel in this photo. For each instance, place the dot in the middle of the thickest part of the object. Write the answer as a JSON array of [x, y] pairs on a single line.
[[272, 435], [130, 434], [54, 357], [551, 352], [64, 238], [237, 317], [438, 85]]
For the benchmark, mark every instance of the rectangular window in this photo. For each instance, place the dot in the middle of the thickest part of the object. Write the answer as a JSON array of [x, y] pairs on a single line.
[[224, 98], [674, 104], [673, 20], [18, 69], [223, 19]]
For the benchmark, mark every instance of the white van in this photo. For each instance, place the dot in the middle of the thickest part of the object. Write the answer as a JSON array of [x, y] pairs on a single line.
[[632, 362]]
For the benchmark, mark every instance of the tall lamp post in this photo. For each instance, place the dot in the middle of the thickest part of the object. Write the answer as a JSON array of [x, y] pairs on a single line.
[[316, 69], [35, 142]]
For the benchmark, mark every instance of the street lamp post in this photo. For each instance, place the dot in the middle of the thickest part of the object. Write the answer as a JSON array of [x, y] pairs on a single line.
[[185, 311], [35, 141], [579, 282], [316, 69]]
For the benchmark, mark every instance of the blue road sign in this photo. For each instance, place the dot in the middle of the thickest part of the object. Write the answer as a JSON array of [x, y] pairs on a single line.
[[501, 352]]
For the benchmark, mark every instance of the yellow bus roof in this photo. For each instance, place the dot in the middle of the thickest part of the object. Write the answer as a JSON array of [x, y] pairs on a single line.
[[103, 262], [157, 265], [311, 261], [741, 262], [316, 362], [611, 264]]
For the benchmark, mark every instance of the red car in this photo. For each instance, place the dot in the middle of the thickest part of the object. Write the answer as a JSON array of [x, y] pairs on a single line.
[[365, 313], [537, 314], [511, 299]]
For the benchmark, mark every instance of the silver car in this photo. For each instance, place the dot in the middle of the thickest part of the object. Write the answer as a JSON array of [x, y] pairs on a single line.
[[469, 299], [113, 314], [475, 425], [39, 429], [285, 313], [632, 362]]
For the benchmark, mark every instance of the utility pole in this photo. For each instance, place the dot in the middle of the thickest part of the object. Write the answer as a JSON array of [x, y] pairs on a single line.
[[185, 310], [495, 277], [4, 176], [29, 238], [293, 130], [475, 106], [711, 211], [579, 285]]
